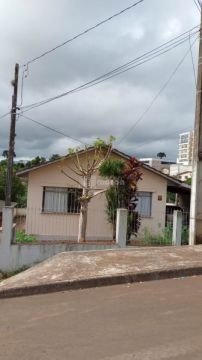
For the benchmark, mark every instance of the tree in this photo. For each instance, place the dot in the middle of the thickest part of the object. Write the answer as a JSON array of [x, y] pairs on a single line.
[[38, 161], [54, 157], [95, 156], [188, 181], [122, 193], [19, 189], [35, 162], [161, 155], [5, 154], [171, 197]]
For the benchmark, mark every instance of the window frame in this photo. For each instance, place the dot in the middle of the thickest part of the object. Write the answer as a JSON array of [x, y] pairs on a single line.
[[68, 190], [150, 196]]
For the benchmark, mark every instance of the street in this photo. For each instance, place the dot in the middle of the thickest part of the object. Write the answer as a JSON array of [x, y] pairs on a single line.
[[152, 320]]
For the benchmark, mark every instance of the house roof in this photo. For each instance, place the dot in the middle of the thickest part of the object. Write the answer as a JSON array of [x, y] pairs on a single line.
[[174, 185]]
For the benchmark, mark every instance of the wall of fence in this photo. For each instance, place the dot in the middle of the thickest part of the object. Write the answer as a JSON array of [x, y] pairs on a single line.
[[60, 226], [185, 218], [15, 256], [165, 235]]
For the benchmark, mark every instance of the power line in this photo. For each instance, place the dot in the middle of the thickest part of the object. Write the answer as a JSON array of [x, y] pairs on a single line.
[[52, 129], [199, 2], [148, 56], [83, 32], [197, 5], [192, 60], [22, 87], [154, 51], [155, 98], [6, 114], [157, 95], [170, 134]]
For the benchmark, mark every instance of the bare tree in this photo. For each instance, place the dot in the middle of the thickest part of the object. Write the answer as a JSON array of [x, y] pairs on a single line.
[[95, 157]]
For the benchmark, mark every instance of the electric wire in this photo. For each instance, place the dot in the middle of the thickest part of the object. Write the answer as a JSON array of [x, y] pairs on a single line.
[[148, 56], [6, 114], [52, 129], [22, 87], [157, 95], [142, 116], [197, 5], [83, 32], [192, 60], [200, 4], [167, 135], [154, 51]]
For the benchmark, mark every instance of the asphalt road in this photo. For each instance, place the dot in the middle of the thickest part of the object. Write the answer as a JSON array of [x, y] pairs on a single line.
[[147, 321]]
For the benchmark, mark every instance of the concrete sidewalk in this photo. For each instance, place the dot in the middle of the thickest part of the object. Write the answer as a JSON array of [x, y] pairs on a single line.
[[77, 270]]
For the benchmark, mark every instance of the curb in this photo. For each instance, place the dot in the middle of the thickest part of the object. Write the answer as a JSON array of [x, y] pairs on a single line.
[[99, 282]]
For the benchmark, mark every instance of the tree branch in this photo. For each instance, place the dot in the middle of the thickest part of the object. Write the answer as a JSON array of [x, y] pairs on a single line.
[[99, 192], [78, 182]]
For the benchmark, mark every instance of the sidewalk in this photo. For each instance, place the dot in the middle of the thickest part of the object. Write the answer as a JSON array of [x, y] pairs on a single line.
[[77, 270]]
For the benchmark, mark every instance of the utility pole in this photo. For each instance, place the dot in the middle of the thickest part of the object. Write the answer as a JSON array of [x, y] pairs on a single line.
[[12, 138], [195, 234]]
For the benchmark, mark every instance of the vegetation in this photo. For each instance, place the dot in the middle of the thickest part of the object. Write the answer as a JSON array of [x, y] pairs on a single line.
[[161, 155], [19, 189], [156, 240], [122, 193], [54, 157], [171, 198], [165, 239], [7, 274], [21, 237], [185, 235], [188, 181], [35, 162], [95, 156]]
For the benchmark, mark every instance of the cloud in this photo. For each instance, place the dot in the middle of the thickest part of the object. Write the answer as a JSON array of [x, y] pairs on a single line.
[[112, 107]]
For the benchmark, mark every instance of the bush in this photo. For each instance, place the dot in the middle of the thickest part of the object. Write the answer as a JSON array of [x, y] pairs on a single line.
[[155, 240], [21, 237], [166, 238], [185, 235]]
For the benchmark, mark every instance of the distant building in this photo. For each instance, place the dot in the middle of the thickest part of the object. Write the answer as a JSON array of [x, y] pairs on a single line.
[[158, 164], [185, 148], [181, 172]]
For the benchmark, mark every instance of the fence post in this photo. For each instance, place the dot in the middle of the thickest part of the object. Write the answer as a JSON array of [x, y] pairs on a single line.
[[121, 227], [177, 228], [6, 237]]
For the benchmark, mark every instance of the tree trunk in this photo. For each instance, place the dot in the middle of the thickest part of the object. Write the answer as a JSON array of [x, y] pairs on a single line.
[[83, 222], [114, 230], [84, 209]]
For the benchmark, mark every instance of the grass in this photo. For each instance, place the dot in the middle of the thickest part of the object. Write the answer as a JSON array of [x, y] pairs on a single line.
[[155, 240], [165, 239], [7, 274], [22, 238]]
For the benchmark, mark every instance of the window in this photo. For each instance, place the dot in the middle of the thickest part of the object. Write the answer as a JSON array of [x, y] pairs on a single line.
[[144, 203], [61, 200], [184, 138]]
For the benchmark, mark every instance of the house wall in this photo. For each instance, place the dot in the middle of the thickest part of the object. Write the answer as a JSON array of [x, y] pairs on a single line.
[[59, 226], [157, 185], [64, 226]]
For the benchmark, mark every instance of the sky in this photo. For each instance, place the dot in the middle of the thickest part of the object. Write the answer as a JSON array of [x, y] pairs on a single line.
[[28, 28]]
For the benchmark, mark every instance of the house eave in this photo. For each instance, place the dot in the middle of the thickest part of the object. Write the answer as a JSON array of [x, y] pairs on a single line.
[[172, 183]]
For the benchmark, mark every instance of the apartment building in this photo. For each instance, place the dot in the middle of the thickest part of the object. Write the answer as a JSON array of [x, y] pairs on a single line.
[[185, 148]]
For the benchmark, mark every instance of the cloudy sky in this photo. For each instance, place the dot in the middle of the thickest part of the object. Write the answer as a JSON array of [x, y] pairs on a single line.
[[28, 28]]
